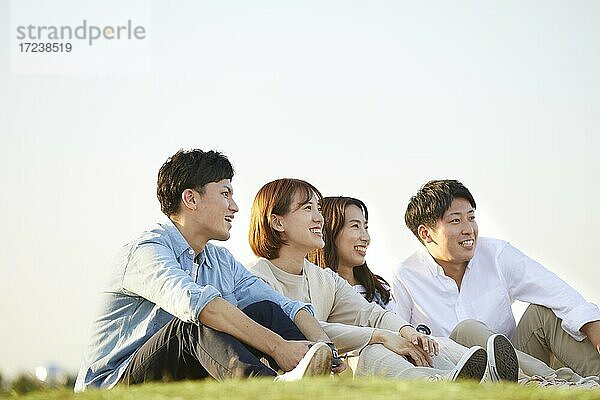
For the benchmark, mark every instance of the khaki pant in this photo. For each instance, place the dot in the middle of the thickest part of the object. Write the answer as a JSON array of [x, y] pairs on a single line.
[[376, 359], [539, 341]]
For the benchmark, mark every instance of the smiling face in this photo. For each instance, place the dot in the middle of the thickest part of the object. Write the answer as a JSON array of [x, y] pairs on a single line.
[[302, 225], [215, 210], [453, 239], [353, 239]]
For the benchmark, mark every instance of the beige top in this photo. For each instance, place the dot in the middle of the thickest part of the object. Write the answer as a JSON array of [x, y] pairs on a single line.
[[347, 318]]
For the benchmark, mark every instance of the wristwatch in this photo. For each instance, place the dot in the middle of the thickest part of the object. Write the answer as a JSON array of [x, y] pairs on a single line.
[[424, 329]]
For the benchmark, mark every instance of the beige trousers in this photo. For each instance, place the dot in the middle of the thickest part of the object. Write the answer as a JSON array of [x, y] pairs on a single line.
[[539, 338], [377, 360], [539, 334]]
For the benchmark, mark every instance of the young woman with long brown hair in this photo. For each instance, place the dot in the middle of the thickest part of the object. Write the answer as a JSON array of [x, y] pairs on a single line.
[[347, 238]]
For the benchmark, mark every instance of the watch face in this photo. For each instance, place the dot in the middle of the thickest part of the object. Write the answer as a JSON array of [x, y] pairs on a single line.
[[424, 329]]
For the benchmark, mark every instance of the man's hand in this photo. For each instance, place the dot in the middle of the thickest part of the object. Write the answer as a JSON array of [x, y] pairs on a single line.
[[592, 331], [399, 345], [340, 368], [338, 364], [288, 353], [421, 340]]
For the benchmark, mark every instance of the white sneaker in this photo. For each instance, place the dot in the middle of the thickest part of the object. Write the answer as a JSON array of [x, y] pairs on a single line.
[[316, 361], [502, 361], [470, 366], [590, 382]]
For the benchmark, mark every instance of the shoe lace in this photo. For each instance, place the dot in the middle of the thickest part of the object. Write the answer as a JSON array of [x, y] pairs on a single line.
[[550, 380]]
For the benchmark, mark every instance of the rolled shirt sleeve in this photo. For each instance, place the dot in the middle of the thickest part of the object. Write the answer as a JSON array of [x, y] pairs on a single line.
[[530, 282], [155, 274]]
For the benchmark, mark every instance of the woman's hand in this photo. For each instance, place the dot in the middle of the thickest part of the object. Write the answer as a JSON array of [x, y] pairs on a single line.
[[399, 345], [420, 340]]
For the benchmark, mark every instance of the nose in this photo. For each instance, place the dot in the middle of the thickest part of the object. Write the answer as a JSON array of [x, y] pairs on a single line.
[[233, 205], [469, 227], [364, 235], [318, 217]]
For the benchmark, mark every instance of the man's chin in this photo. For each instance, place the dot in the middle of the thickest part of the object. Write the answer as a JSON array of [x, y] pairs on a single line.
[[469, 255], [223, 237]]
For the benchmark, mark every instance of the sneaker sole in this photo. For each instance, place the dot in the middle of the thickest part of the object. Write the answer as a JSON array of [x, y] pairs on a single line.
[[320, 362], [474, 366], [503, 362]]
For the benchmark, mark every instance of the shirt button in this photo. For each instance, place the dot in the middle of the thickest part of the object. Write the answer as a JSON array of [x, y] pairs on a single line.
[[191, 252]]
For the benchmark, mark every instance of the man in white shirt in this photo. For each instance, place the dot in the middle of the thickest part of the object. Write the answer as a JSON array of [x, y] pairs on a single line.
[[458, 276]]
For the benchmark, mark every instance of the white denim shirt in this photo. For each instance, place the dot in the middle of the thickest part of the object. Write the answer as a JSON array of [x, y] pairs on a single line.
[[497, 275]]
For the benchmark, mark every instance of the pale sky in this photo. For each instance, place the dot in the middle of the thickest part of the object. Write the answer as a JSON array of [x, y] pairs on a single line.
[[367, 99]]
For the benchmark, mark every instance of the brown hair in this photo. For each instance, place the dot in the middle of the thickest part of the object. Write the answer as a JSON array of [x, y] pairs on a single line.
[[432, 201], [275, 197], [334, 213], [189, 169]]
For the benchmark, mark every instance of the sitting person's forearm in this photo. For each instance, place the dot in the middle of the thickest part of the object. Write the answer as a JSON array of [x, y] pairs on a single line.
[[376, 337], [223, 316], [310, 327], [592, 331]]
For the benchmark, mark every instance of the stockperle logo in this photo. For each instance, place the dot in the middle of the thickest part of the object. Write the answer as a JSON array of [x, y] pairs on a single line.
[[87, 32]]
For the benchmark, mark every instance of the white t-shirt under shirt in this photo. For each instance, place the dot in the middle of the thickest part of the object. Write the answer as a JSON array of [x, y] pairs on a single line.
[[497, 275]]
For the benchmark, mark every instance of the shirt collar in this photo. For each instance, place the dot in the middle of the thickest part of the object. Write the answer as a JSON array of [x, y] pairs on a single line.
[[180, 245], [203, 258], [435, 268], [432, 266]]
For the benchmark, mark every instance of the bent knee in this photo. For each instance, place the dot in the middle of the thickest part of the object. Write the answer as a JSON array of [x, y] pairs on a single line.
[[264, 311], [537, 309], [471, 332], [536, 315], [467, 326], [263, 304]]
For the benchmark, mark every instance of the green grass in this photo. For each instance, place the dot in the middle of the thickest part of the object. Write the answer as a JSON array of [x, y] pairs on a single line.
[[317, 388]]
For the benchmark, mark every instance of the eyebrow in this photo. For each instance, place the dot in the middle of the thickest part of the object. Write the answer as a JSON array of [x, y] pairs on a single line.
[[309, 201], [228, 187], [459, 213], [356, 220]]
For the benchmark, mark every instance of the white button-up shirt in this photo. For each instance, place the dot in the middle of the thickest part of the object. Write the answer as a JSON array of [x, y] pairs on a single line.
[[497, 275]]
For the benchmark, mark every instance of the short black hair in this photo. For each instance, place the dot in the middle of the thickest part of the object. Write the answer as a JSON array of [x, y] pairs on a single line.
[[432, 201], [189, 169]]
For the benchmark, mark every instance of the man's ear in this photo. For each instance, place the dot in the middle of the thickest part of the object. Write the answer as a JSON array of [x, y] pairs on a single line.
[[276, 223], [424, 234], [188, 198]]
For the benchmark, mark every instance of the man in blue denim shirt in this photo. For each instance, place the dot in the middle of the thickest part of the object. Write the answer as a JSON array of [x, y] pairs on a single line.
[[178, 307]]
